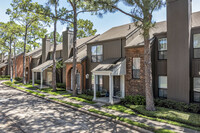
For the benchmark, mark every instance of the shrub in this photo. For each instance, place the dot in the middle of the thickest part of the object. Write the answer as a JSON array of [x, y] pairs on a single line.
[[136, 100], [61, 85], [38, 82], [19, 79], [5, 76], [194, 108]]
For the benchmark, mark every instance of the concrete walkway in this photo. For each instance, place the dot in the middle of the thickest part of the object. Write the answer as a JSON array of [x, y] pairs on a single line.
[[98, 106]]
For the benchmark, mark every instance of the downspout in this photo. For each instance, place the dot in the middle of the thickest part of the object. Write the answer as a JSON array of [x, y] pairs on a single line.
[[82, 78]]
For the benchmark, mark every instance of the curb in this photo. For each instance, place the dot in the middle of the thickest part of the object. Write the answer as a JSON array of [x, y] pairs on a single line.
[[87, 112]]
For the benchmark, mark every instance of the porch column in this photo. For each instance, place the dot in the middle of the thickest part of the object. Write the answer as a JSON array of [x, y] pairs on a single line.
[[95, 88], [33, 79], [111, 89], [41, 80], [122, 86]]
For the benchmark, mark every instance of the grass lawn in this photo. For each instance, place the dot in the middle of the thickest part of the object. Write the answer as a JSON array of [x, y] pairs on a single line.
[[142, 125], [60, 91], [174, 117]]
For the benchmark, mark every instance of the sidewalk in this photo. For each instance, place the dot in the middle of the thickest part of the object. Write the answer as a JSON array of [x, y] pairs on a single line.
[[98, 106]]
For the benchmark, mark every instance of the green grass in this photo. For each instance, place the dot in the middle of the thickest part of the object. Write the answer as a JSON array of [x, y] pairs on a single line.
[[60, 91], [29, 91], [138, 124], [82, 100], [170, 114], [124, 109], [4, 78], [69, 103]]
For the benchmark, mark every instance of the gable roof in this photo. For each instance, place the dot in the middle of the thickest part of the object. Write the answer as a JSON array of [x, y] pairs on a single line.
[[161, 27], [81, 41], [115, 33]]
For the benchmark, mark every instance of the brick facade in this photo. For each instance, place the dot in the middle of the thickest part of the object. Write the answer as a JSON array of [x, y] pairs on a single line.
[[81, 67], [134, 86], [19, 65]]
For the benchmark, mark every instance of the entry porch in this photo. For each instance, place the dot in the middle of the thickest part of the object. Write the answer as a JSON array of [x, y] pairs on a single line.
[[116, 74]]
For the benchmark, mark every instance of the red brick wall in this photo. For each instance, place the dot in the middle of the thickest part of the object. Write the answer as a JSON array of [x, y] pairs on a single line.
[[82, 70], [134, 86], [19, 64]]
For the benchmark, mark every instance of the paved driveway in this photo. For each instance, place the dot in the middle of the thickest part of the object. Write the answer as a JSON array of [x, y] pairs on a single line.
[[32, 114]]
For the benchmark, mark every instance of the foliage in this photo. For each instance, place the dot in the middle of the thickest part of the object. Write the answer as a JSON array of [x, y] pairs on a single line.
[[127, 110], [169, 114], [19, 79], [61, 85], [136, 100], [85, 28], [126, 120], [5, 76], [59, 38], [192, 107]]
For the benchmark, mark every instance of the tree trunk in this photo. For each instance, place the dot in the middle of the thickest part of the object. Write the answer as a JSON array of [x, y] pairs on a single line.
[[74, 52], [54, 53], [15, 60], [24, 57], [148, 74], [10, 64]]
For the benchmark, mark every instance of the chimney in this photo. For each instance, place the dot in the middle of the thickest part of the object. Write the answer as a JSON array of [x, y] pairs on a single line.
[[67, 46], [46, 46], [67, 43], [178, 49]]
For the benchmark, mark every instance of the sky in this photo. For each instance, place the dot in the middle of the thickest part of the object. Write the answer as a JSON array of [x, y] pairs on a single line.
[[103, 24]]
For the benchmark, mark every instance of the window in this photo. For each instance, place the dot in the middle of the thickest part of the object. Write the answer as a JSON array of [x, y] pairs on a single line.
[[99, 83], [196, 45], [50, 56], [162, 86], [136, 68], [196, 89], [162, 48], [97, 53]]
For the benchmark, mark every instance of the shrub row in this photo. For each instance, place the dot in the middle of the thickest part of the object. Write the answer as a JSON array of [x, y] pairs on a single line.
[[5, 76], [140, 100], [19, 79], [61, 85]]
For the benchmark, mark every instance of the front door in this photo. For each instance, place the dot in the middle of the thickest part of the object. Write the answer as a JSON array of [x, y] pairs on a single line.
[[117, 86]]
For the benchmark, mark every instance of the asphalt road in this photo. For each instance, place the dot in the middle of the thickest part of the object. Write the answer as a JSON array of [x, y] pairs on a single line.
[[20, 112]]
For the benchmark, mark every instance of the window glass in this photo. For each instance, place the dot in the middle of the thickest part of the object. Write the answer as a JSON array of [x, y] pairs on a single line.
[[162, 44], [162, 82], [197, 85], [136, 67], [93, 50], [97, 53], [92, 81], [99, 50], [163, 93], [196, 42]]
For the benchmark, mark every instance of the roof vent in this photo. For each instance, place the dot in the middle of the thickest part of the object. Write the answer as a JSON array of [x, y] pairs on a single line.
[[129, 27]]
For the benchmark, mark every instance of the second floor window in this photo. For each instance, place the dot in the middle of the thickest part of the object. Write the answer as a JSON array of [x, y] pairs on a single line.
[[162, 48], [196, 45], [136, 68], [97, 53]]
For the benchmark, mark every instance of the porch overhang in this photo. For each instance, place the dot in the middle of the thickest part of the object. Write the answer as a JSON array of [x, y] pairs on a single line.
[[111, 69], [44, 66], [40, 69]]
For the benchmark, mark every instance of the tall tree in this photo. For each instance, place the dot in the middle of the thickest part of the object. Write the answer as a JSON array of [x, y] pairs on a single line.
[[26, 19], [78, 7], [11, 31], [85, 28], [141, 13], [58, 37], [55, 4]]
